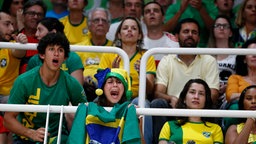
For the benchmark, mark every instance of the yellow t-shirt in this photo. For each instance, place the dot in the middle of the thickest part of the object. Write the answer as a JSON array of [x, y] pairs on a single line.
[[108, 58], [196, 132], [91, 60], [252, 137], [9, 70], [75, 33]]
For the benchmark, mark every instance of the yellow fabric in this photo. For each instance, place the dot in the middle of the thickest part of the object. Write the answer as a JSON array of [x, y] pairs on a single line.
[[91, 60], [75, 33], [108, 58], [252, 137], [198, 132], [236, 84], [9, 70]]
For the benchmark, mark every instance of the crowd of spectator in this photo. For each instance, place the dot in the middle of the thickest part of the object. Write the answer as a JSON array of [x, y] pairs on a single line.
[[54, 75]]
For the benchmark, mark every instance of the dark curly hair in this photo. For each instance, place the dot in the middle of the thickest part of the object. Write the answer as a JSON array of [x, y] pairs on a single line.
[[54, 39]]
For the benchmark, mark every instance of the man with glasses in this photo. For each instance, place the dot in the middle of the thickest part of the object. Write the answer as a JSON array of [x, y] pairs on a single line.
[[99, 21], [132, 8], [33, 12]]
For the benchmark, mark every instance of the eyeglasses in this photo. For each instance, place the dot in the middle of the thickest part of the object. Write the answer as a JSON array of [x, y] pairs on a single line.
[[33, 13], [97, 21], [222, 26]]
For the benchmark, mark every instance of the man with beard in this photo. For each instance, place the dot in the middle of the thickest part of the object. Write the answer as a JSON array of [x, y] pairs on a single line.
[[9, 66], [175, 70]]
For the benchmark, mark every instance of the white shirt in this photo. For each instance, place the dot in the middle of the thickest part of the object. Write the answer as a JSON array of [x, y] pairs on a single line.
[[164, 42]]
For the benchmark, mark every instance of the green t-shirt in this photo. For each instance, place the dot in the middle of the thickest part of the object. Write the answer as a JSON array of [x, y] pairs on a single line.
[[30, 89], [191, 12]]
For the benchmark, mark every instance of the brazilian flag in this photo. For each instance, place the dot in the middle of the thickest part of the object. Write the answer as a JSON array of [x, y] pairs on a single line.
[[95, 125]]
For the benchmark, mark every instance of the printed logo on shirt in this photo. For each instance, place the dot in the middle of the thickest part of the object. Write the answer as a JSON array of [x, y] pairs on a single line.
[[191, 142], [207, 134], [3, 62], [85, 31], [92, 61]]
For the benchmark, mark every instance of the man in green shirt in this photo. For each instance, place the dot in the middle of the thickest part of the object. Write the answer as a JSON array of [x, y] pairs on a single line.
[[43, 85]]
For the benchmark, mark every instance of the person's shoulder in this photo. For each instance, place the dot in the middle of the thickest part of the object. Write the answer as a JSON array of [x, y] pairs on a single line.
[[171, 37], [35, 57], [73, 55], [6, 51], [235, 76], [114, 26], [86, 41], [29, 74], [207, 57], [170, 57], [67, 78], [211, 124], [64, 19]]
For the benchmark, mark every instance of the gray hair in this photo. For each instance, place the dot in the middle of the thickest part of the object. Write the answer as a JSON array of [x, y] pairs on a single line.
[[98, 9]]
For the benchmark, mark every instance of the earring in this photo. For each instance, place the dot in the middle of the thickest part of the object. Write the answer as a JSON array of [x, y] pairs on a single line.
[[118, 43], [139, 44]]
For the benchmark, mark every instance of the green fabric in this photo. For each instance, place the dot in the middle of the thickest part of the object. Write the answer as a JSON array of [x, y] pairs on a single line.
[[231, 121], [30, 89], [176, 132], [131, 133], [78, 131], [191, 12]]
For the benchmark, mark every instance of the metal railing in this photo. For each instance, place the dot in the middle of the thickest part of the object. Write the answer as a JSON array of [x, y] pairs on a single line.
[[82, 48], [161, 50], [142, 86]]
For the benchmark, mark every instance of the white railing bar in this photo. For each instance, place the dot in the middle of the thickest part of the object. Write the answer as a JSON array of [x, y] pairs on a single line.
[[139, 111], [82, 48], [60, 125], [47, 124], [214, 51]]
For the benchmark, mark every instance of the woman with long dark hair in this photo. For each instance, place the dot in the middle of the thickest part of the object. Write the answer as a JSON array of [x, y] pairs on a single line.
[[196, 94]]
